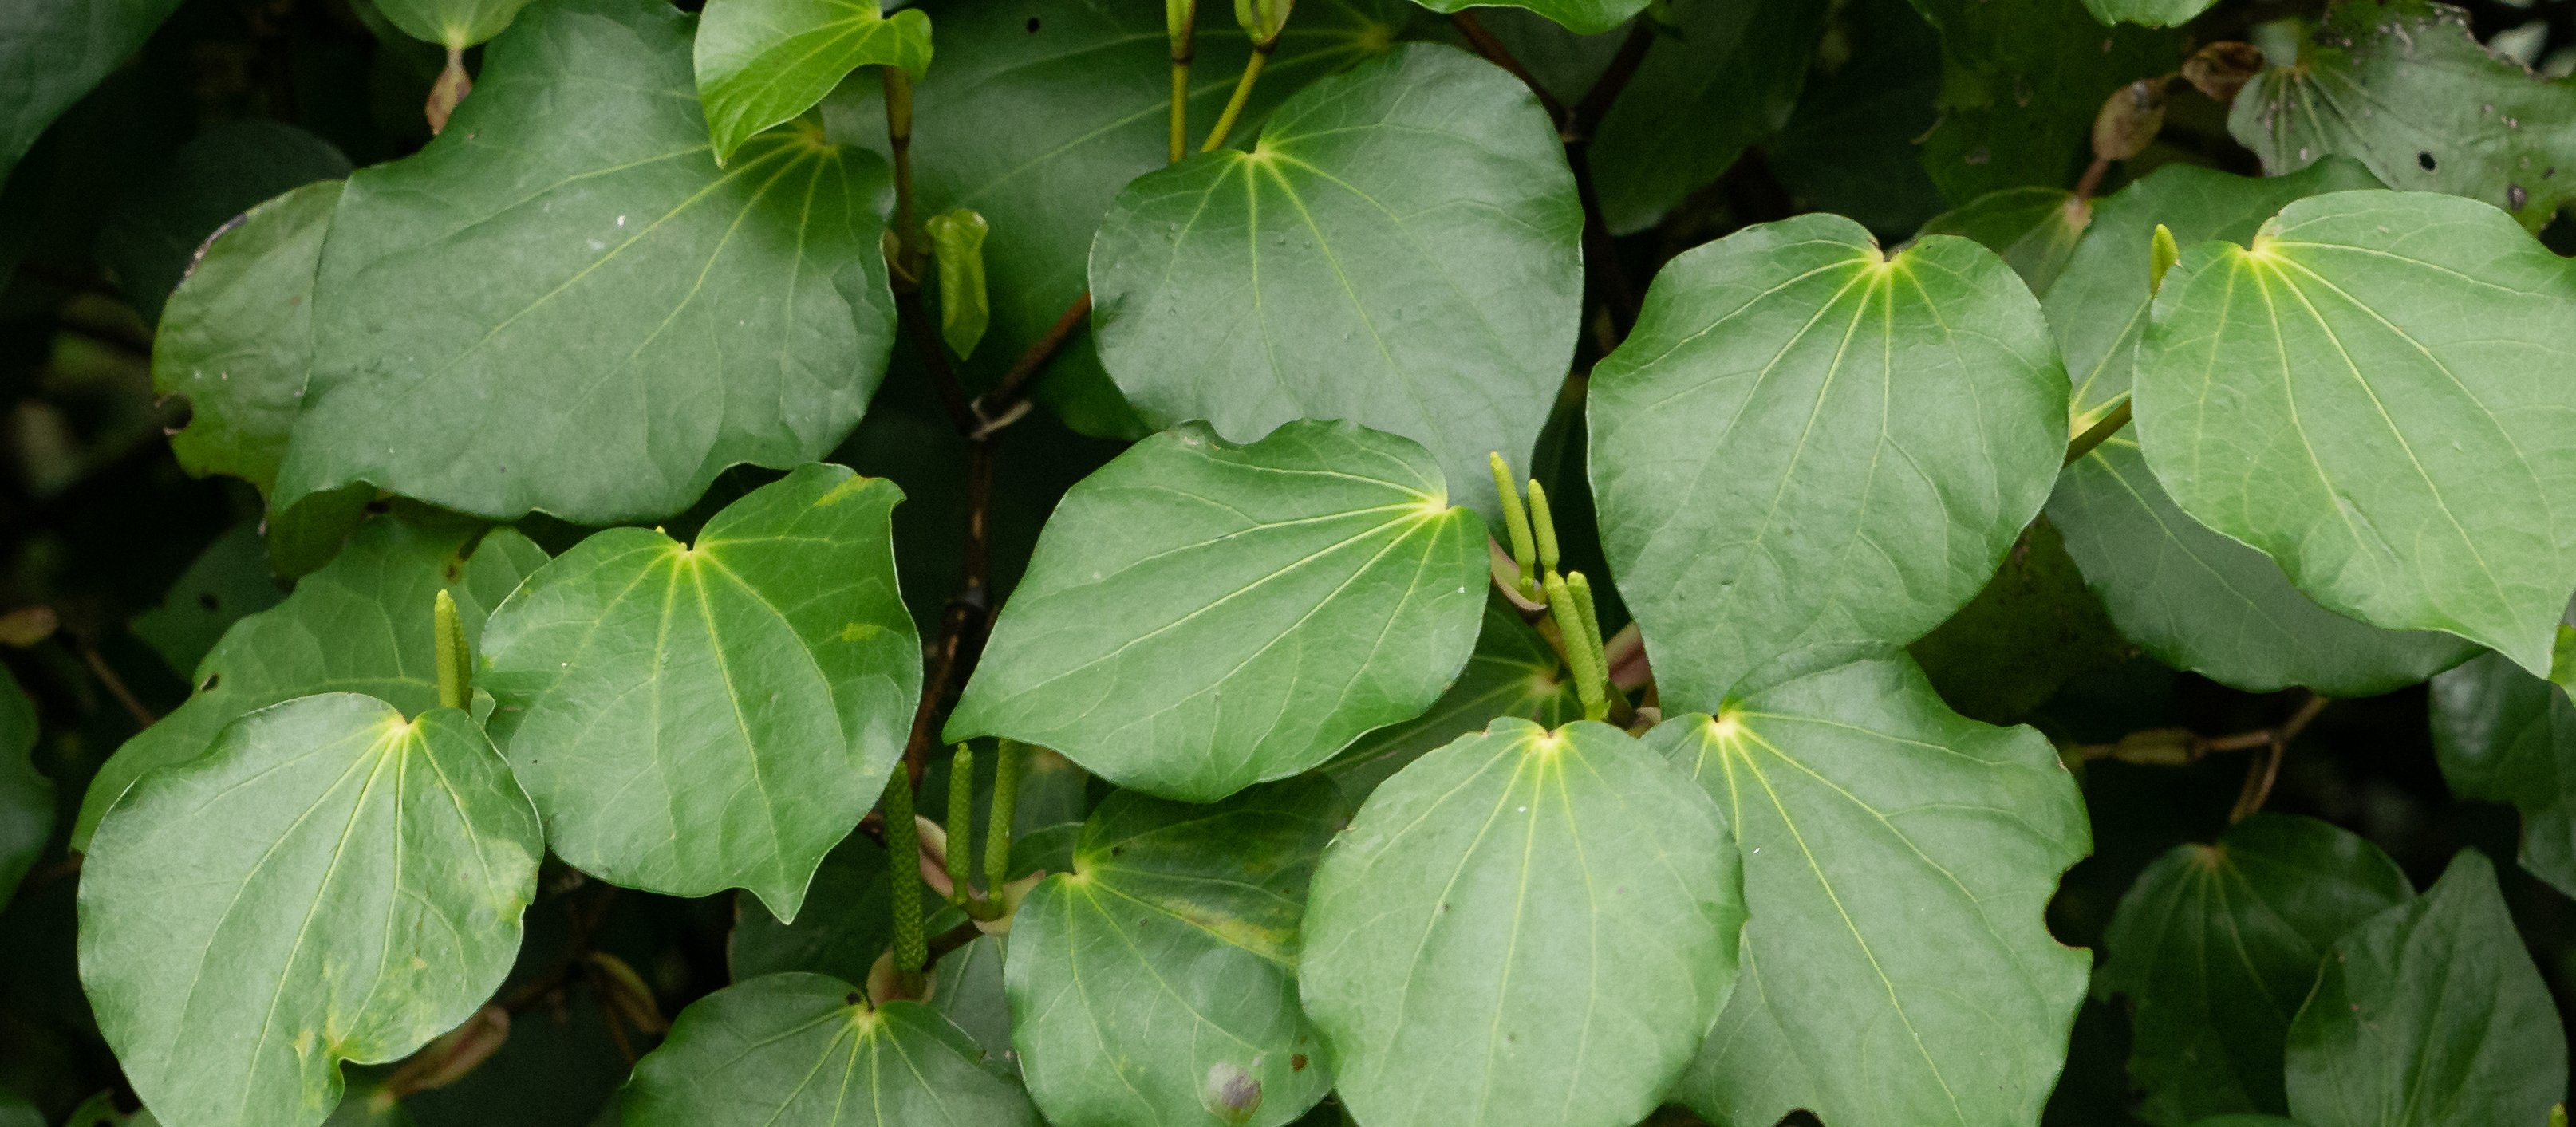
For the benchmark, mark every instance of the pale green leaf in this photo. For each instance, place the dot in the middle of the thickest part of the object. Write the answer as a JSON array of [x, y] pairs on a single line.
[[966, 988], [1724, 77], [2357, 397], [2216, 946], [762, 62], [2021, 81], [329, 882], [2503, 735], [26, 795], [965, 300], [691, 718], [808, 1051], [2147, 13], [1435, 297], [1897, 860], [1156, 982], [226, 582], [2194, 599], [2034, 229], [236, 337], [2404, 86], [1512, 673], [53, 51], [1807, 448], [454, 24], [1202, 616], [1582, 17], [1045, 109], [562, 304], [2430, 1014], [360, 625], [1525, 927]]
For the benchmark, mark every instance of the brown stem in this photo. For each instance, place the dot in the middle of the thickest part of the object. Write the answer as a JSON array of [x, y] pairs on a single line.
[[1003, 405], [1494, 52], [2174, 747], [2092, 180], [915, 319], [115, 685], [952, 939], [1596, 102], [898, 109]]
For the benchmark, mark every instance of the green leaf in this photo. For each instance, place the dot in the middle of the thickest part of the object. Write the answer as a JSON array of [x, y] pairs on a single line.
[[2404, 86], [1479, 950], [1512, 673], [1248, 610], [848, 919], [1897, 860], [2033, 629], [1725, 76], [1850, 147], [1798, 456], [2147, 13], [1435, 297], [808, 1050], [2194, 599], [1582, 17], [361, 624], [966, 988], [226, 582], [26, 795], [236, 337], [1045, 110], [562, 304], [2430, 1014], [2355, 399], [2021, 81], [454, 24], [159, 228], [2034, 229], [1156, 983], [762, 62], [2503, 735], [691, 718], [52, 52], [965, 306], [2216, 946], [329, 882]]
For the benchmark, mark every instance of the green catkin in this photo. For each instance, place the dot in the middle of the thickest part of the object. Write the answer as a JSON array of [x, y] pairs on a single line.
[[961, 824], [1007, 760], [1588, 678], [1516, 526], [1544, 525], [903, 877], [455, 657]]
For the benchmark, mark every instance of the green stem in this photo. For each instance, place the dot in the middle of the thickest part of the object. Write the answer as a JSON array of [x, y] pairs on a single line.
[[2098, 433], [455, 655], [898, 109], [1242, 94], [961, 824], [903, 879], [1007, 760], [1180, 110]]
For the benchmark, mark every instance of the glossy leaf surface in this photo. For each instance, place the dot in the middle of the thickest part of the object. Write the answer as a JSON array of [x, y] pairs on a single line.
[[359, 625], [2355, 399], [553, 305], [1512, 673], [1582, 17], [1801, 452], [236, 337], [762, 62], [1315, 276], [1897, 860], [2503, 735], [2217, 945], [2150, 13], [2033, 229], [330, 882], [1524, 927], [1156, 982], [451, 23], [1250, 609], [808, 1050], [691, 718]]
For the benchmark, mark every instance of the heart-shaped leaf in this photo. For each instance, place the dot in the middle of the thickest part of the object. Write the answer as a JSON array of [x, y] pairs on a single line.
[[2034, 229], [329, 882], [2503, 735], [1156, 982], [1250, 609], [1512, 673], [1803, 451], [1897, 860], [2430, 1014], [236, 337], [1434, 297], [1525, 927], [2355, 395], [2194, 599], [456, 24], [359, 625], [761, 62], [563, 304], [2216, 946], [1582, 17], [806, 1049], [691, 718]]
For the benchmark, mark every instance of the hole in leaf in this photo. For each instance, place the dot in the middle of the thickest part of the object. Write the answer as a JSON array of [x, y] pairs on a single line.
[[209, 686], [2426, 160], [1033, 25], [206, 599]]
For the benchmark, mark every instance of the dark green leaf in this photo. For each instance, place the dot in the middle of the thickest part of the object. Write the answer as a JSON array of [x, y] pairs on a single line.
[[1726, 76], [1434, 297], [808, 1050], [456, 24], [2021, 82], [236, 338], [2033, 629], [1582, 17], [1250, 609], [2430, 1014], [2149, 13], [762, 62], [2034, 229], [26, 795], [2503, 735], [1851, 145], [159, 227], [361, 624], [2216, 946], [1798, 454], [1897, 860], [965, 301], [966, 988], [1156, 982], [2355, 398], [329, 882], [2404, 86], [1525, 927], [556, 305], [53, 51], [228, 581], [691, 718], [1512, 673]]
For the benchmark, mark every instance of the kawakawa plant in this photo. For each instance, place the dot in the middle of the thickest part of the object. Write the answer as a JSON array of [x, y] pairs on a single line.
[[1383, 567]]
